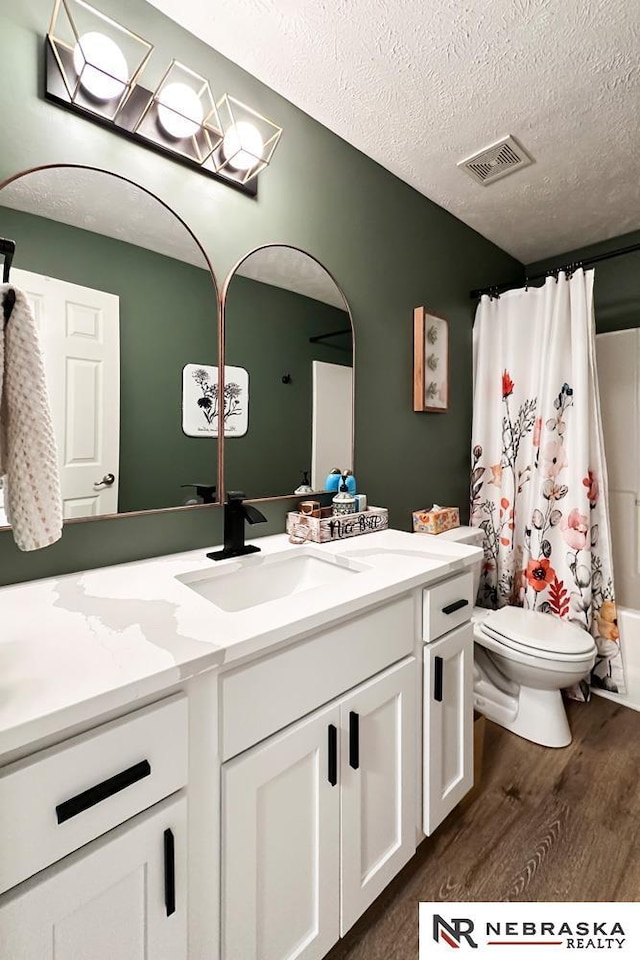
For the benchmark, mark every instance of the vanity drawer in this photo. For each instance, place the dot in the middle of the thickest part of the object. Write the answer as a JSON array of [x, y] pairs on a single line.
[[61, 798], [263, 697], [446, 605]]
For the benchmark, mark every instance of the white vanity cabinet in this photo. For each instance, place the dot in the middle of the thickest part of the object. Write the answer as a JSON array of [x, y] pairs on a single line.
[[94, 843], [280, 846], [317, 819], [378, 786], [448, 698], [122, 897]]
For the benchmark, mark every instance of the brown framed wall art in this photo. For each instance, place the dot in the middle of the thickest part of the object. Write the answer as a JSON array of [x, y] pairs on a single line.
[[430, 362]]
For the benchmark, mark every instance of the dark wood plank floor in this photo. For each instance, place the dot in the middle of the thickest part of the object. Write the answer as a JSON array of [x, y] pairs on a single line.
[[545, 825]]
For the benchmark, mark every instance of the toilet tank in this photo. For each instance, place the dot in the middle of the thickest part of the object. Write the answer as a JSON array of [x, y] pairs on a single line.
[[474, 537]]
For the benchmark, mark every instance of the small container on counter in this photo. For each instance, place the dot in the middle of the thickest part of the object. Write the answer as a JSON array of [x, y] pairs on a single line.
[[343, 502], [310, 507], [332, 483], [350, 480]]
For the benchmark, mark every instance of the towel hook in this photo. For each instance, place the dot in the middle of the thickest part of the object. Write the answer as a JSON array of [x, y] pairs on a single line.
[[7, 249]]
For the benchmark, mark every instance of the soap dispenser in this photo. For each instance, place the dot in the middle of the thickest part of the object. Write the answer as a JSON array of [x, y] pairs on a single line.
[[332, 483], [350, 480], [343, 502], [305, 486]]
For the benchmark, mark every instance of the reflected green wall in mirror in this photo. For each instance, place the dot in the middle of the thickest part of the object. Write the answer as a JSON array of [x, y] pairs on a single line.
[[167, 318], [268, 332]]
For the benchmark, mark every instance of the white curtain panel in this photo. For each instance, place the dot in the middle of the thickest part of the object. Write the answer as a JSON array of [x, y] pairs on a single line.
[[539, 480]]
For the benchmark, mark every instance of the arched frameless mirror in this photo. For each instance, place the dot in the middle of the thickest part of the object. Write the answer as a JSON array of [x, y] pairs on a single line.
[[127, 307], [289, 351]]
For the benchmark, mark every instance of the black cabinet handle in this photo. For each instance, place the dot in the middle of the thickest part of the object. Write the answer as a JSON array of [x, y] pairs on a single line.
[[332, 773], [169, 872], [456, 605], [102, 791], [354, 739], [438, 665]]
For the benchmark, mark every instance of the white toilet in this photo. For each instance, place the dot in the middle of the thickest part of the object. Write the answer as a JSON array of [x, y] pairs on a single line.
[[522, 660]]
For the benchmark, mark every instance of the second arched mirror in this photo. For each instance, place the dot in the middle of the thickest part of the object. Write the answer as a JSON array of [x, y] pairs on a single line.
[[289, 352]]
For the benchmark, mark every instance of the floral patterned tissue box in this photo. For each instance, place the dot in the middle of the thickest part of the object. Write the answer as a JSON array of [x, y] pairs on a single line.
[[436, 520]]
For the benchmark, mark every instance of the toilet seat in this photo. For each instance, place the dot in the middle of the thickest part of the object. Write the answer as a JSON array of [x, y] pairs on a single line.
[[537, 634]]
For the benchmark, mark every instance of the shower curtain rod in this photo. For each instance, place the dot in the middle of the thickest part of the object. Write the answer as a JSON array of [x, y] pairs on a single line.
[[499, 288]]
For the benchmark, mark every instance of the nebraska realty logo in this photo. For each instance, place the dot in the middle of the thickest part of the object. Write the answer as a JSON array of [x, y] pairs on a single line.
[[583, 927]]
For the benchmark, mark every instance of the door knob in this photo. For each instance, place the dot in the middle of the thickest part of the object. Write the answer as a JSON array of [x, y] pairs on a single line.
[[107, 481]]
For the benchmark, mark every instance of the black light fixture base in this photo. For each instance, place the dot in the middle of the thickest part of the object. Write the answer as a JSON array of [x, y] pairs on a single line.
[[124, 124]]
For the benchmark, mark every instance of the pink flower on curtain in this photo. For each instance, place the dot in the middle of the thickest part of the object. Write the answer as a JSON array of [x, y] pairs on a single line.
[[575, 529], [593, 490], [555, 458], [537, 432]]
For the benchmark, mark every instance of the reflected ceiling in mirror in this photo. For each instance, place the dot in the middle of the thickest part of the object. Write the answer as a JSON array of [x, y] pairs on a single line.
[[124, 298], [289, 350]]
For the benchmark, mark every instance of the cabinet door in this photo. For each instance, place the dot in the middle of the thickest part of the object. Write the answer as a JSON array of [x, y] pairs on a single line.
[[378, 796], [448, 724], [280, 845], [110, 900]]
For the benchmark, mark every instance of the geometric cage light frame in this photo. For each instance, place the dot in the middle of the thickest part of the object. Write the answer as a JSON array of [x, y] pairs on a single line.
[[94, 68]]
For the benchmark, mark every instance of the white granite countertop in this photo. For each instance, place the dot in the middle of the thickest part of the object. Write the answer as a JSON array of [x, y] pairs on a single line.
[[76, 647]]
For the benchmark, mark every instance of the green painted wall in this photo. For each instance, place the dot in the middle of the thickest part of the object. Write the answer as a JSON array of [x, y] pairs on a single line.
[[156, 294], [617, 281], [389, 248], [268, 331]]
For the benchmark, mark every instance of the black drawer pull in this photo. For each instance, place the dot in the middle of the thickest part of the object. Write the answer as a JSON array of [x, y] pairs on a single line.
[[438, 673], [332, 773], [456, 605], [102, 791], [169, 872], [354, 739]]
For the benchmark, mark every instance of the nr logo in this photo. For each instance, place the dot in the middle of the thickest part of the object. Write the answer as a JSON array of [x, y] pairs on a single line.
[[453, 932]]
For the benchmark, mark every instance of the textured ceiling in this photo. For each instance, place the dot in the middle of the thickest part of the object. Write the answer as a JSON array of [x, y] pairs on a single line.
[[96, 201], [293, 270], [419, 86], [93, 200]]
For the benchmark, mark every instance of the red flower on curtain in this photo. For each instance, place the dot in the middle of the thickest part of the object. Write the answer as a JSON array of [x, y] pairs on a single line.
[[539, 574], [507, 385]]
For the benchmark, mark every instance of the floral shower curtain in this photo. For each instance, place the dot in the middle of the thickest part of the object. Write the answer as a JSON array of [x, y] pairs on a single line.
[[538, 482]]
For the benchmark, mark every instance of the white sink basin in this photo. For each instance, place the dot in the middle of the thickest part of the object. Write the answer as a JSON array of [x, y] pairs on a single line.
[[254, 580]]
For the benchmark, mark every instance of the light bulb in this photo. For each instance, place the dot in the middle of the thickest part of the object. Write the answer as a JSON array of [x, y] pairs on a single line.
[[180, 110], [242, 146], [101, 66]]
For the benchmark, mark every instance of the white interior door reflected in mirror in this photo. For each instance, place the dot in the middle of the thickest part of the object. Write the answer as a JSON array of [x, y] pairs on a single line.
[[80, 338], [332, 425]]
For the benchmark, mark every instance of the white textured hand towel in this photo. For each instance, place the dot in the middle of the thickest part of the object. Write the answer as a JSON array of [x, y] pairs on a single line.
[[28, 456]]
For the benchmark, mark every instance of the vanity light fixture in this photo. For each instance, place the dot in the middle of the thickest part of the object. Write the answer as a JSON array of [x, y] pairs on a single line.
[[248, 142], [181, 114], [98, 61], [94, 67]]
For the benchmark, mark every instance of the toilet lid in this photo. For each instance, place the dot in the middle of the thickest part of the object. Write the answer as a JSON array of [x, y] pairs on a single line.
[[528, 630]]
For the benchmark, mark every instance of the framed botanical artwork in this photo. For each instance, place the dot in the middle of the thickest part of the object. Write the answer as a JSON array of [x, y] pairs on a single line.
[[201, 404], [430, 362]]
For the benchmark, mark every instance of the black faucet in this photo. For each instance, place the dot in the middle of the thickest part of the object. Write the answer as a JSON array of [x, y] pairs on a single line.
[[236, 512]]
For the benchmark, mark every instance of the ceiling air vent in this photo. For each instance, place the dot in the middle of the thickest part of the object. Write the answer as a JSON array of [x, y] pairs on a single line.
[[496, 161]]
